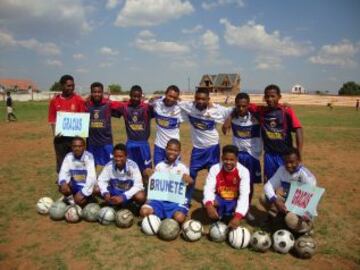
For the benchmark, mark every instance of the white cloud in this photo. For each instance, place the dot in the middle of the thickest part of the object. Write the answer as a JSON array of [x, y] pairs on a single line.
[[108, 51], [340, 54], [193, 30], [105, 64], [208, 5], [78, 56], [82, 70], [146, 34], [183, 63], [254, 37], [210, 40], [6, 39], [111, 4], [268, 62], [55, 63], [151, 12]]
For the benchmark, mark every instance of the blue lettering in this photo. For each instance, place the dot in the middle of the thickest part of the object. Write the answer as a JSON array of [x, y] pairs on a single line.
[[181, 189]]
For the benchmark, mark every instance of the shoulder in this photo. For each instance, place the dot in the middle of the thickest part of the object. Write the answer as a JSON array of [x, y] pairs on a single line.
[[306, 172], [182, 166], [69, 156], [160, 166], [131, 164], [88, 155], [215, 168]]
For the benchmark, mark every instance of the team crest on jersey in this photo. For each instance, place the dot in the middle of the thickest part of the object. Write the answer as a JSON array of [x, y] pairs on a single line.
[[272, 122], [96, 114], [135, 118]]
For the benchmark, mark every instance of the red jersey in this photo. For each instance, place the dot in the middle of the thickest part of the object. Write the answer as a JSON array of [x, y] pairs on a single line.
[[58, 103]]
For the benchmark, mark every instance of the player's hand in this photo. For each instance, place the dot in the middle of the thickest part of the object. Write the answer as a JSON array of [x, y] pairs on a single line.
[[187, 179], [305, 218], [148, 172], [116, 200], [153, 98], [65, 189], [212, 213], [227, 125], [280, 205], [234, 223], [79, 198], [107, 198]]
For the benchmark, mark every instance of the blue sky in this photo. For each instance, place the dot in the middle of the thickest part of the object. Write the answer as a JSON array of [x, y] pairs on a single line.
[[155, 43]]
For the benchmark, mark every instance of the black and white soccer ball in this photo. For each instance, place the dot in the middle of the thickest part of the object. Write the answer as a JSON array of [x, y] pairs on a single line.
[[73, 214], [150, 224], [43, 205], [218, 231], [106, 215], [57, 210], [283, 241], [192, 230], [305, 246], [169, 229], [91, 212], [239, 238], [260, 241], [124, 218]]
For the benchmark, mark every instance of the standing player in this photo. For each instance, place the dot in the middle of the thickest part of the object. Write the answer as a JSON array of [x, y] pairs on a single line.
[[171, 164], [227, 188], [67, 101], [77, 176], [168, 117], [9, 108], [100, 140]]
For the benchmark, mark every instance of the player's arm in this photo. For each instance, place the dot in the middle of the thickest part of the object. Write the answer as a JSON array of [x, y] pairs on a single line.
[[52, 116], [64, 176], [103, 182], [209, 193], [299, 136], [90, 182], [117, 108], [227, 122], [271, 186], [186, 176], [297, 128], [138, 184]]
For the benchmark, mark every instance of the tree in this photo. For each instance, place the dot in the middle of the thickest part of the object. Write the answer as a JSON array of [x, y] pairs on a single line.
[[56, 87], [350, 89], [115, 88]]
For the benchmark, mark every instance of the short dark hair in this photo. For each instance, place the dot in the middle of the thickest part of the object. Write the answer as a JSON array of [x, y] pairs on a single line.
[[96, 84], [203, 91], [78, 138], [8, 93], [242, 96], [230, 149], [136, 88], [175, 142], [292, 151], [66, 78], [173, 88], [120, 147], [272, 87]]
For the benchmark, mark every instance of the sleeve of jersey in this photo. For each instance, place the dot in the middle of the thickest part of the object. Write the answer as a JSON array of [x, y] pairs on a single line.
[[52, 112], [138, 184], [295, 123], [103, 180], [81, 103], [117, 108], [210, 186], [90, 182], [242, 205], [309, 177], [64, 174], [224, 113], [185, 106], [272, 185]]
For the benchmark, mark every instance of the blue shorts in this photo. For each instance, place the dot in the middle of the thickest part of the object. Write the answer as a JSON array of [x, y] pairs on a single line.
[[272, 162], [102, 153], [140, 153], [225, 207], [164, 209], [76, 186], [159, 154], [203, 159], [118, 192], [252, 164]]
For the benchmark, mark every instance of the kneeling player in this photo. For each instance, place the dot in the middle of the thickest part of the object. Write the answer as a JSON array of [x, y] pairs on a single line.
[[77, 175], [120, 181], [227, 188], [291, 171], [165, 209]]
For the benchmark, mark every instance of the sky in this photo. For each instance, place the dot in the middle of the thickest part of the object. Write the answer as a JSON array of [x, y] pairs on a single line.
[[156, 43]]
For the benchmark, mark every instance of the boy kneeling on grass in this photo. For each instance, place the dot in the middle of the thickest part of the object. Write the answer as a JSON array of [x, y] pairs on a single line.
[[277, 189], [227, 188], [172, 164]]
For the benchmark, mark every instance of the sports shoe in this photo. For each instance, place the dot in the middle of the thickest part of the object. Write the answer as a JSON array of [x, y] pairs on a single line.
[[250, 217]]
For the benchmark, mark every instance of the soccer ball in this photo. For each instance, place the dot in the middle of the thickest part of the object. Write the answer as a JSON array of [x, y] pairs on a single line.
[[239, 237], [260, 241], [43, 205], [169, 229], [296, 224], [305, 246], [57, 210], [192, 230], [73, 214], [106, 215], [150, 225], [124, 218], [91, 212], [283, 241], [218, 231]]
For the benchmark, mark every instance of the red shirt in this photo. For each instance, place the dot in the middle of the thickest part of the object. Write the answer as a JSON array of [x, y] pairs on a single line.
[[58, 103], [227, 184]]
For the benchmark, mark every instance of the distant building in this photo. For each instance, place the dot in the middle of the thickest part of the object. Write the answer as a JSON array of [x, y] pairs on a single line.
[[227, 83], [18, 85], [298, 89]]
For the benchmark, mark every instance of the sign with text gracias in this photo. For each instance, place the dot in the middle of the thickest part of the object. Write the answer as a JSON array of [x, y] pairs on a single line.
[[166, 187], [72, 124], [303, 199]]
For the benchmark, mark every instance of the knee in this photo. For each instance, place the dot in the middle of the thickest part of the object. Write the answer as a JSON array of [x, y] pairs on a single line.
[[179, 217], [96, 191], [140, 197], [146, 211]]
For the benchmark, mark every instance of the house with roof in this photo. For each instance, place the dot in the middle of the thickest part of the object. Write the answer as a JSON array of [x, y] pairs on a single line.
[[226, 83], [18, 85], [298, 89]]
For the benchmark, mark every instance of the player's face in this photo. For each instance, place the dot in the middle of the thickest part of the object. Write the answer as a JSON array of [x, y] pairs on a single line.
[[68, 88], [272, 98], [172, 152], [242, 106], [229, 161], [201, 101], [171, 97], [291, 162], [97, 94], [135, 97], [78, 148], [120, 158]]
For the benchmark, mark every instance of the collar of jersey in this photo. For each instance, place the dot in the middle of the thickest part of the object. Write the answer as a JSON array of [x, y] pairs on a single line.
[[81, 158], [125, 169]]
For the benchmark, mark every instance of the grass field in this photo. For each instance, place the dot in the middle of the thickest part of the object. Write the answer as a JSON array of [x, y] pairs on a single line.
[[31, 241]]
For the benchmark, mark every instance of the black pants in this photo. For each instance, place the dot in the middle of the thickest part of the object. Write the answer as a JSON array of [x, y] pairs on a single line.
[[62, 146]]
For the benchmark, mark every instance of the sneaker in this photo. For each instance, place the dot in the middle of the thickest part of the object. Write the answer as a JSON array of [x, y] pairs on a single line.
[[250, 217], [69, 200]]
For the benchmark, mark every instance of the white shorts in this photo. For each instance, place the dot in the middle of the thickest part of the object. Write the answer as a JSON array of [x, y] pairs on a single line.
[[9, 109]]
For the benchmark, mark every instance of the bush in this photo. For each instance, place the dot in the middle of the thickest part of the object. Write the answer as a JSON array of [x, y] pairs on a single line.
[[350, 89]]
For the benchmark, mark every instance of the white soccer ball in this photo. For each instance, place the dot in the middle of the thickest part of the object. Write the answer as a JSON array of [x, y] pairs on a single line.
[[192, 230], [169, 229], [91, 212], [73, 214], [43, 205], [150, 225], [218, 231], [283, 241], [124, 218], [239, 237], [260, 241], [106, 215], [305, 247], [57, 210]]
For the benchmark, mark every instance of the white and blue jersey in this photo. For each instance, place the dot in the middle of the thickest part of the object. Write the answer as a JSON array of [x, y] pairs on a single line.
[[79, 173], [125, 182]]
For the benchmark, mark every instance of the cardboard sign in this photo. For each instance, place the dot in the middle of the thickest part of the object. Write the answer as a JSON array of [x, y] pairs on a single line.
[[166, 187], [72, 124], [303, 199]]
